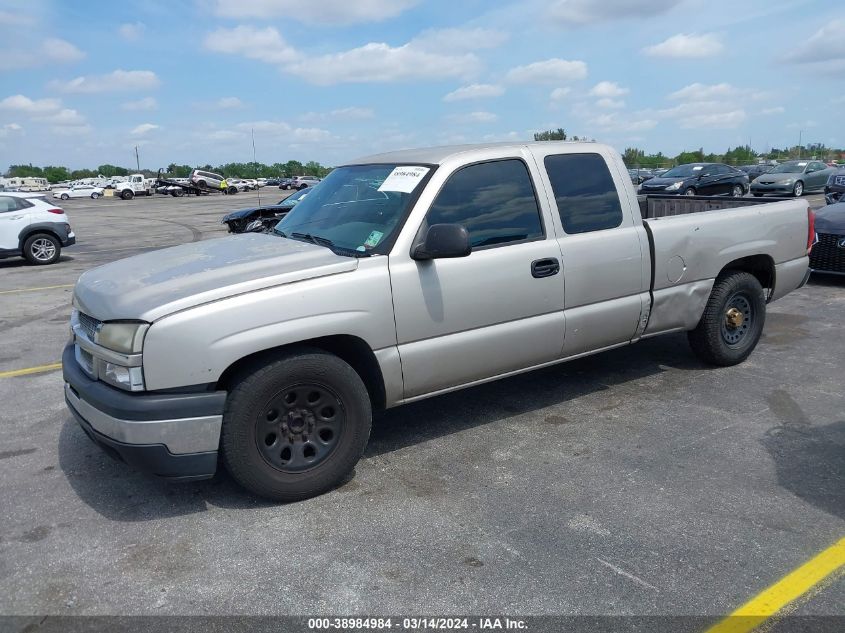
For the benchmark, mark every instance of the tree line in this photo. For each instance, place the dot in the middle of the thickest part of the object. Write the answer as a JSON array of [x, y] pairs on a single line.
[[742, 155], [229, 170]]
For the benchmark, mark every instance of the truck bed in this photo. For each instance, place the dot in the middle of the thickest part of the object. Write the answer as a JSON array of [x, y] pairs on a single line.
[[661, 206]]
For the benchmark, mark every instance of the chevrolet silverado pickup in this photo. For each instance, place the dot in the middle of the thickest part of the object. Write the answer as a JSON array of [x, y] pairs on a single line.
[[403, 276]]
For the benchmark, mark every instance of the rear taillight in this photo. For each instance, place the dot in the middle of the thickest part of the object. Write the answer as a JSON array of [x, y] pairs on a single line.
[[811, 229], [56, 211]]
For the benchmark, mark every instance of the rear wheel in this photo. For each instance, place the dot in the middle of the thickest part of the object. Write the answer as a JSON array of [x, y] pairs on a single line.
[[798, 189], [733, 319], [41, 249], [95, 195], [64, 196], [296, 427]]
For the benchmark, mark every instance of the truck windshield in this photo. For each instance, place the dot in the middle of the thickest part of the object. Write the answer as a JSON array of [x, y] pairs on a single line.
[[356, 208], [789, 168]]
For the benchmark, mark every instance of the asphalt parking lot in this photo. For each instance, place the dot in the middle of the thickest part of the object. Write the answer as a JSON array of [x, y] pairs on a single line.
[[634, 482]]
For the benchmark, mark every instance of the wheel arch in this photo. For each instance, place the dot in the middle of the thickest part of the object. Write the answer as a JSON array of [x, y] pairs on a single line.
[[760, 266], [32, 229], [351, 349]]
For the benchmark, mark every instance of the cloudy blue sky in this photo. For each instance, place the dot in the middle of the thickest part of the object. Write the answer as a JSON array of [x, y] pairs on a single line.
[[186, 81]]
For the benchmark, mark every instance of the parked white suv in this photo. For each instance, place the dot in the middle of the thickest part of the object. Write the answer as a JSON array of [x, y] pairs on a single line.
[[301, 182], [32, 228]]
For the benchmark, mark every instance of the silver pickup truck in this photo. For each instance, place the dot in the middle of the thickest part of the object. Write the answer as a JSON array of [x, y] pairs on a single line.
[[403, 276]]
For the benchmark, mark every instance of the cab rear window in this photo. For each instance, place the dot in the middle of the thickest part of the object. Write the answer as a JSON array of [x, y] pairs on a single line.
[[586, 197]]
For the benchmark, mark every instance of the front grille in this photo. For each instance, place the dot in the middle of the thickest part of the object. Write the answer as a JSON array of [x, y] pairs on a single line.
[[827, 255], [89, 325]]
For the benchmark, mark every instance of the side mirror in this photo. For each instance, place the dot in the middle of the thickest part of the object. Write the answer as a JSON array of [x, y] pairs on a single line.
[[441, 241]]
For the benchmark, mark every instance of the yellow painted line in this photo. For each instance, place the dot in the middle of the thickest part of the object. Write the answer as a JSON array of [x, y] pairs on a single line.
[[8, 292], [785, 591], [30, 370]]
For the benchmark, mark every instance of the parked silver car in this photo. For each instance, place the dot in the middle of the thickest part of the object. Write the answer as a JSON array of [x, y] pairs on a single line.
[[301, 182], [206, 179]]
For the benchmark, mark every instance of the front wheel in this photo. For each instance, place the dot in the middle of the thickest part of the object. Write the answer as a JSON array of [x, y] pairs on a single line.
[[95, 195], [737, 191], [733, 319], [689, 192], [64, 196], [798, 189], [296, 427], [127, 195], [42, 249]]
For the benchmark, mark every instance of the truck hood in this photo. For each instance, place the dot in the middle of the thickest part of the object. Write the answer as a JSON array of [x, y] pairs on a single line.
[[150, 286]]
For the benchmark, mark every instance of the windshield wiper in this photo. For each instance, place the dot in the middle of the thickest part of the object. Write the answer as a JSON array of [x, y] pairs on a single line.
[[324, 241]]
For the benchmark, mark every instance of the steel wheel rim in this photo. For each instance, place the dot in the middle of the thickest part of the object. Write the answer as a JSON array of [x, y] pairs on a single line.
[[300, 427], [43, 249], [735, 330]]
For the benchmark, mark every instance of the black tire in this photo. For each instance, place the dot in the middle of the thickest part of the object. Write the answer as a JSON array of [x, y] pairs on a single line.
[[301, 187], [95, 195], [259, 409], [798, 189], [64, 196], [201, 184], [721, 338], [42, 249], [127, 195]]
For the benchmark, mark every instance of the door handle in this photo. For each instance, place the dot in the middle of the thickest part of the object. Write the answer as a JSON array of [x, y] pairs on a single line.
[[545, 267]]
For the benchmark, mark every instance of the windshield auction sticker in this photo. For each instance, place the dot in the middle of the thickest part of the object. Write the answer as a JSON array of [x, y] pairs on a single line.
[[404, 179]]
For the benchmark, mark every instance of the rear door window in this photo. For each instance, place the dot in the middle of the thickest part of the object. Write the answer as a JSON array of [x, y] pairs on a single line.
[[495, 201], [586, 197]]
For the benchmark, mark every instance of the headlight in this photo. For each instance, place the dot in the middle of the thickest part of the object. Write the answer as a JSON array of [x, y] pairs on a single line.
[[674, 186], [126, 338], [129, 378]]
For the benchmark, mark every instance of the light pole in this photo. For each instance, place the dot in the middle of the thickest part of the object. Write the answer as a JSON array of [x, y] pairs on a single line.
[[800, 134]]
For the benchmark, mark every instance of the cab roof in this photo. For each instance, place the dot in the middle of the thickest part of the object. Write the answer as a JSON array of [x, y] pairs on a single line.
[[438, 155]]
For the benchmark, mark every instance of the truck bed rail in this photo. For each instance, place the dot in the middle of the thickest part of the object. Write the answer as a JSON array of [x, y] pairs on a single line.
[[661, 206]]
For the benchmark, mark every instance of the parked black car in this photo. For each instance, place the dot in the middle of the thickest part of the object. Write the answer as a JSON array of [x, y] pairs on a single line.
[[756, 170], [237, 221], [834, 190], [285, 183], [639, 176], [699, 179], [271, 182], [828, 254]]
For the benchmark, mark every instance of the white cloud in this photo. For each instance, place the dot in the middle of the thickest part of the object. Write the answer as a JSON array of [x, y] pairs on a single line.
[[548, 71], [619, 122], [608, 89], [143, 129], [344, 114], [264, 44], [133, 31], [559, 94], [20, 103], [147, 103], [703, 92], [115, 81], [284, 131], [64, 117], [324, 12], [475, 117], [10, 129], [610, 104], [687, 46], [775, 110], [379, 62], [823, 51], [50, 51], [71, 130], [458, 40], [720, 115], [373, 62], [579, 12], [16, 18], [229, 103], [475, 91]]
